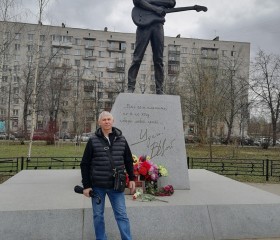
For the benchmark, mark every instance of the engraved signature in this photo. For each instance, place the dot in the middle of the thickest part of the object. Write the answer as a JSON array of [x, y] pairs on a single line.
[[157, 143]]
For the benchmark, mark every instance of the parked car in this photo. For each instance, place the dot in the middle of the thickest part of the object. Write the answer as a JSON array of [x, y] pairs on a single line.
[[42, 135], [5, 136], [85, 136], [62, 135]]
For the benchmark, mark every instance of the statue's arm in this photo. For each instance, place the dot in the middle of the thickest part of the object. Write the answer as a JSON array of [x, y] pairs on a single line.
[[153, 5], [163, 3]]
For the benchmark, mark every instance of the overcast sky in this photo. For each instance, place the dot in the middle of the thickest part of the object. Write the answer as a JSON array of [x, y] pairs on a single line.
[[254, 21]]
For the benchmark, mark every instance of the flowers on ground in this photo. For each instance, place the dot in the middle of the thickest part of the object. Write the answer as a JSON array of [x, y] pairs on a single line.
[[150, 172]]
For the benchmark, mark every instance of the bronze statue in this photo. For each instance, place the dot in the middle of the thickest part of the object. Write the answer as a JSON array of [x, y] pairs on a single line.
[[149, 17]]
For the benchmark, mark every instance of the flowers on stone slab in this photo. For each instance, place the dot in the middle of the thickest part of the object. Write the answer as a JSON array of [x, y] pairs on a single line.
[[149, 172]]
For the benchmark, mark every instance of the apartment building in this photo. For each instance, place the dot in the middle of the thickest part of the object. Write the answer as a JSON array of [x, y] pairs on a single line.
[[79, 72]]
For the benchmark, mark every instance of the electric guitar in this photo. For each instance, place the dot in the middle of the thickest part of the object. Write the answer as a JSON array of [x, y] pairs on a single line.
[[142, 17]]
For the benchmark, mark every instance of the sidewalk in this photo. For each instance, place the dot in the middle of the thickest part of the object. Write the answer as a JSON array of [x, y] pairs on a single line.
[[269, 187]]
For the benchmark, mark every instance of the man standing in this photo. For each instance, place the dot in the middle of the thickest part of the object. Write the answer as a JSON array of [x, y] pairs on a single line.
[[150, 12], [97, 174]]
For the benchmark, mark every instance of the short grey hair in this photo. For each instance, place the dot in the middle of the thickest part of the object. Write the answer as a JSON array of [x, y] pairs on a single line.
[[103, 114]]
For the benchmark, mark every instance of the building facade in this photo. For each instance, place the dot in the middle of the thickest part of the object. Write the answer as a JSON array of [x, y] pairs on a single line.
[[79, 72]]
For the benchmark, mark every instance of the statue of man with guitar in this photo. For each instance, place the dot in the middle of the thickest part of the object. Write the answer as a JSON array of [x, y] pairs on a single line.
[[149, 17]]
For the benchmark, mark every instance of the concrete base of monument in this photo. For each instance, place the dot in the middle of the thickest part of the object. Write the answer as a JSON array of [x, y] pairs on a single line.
[[41, 204]]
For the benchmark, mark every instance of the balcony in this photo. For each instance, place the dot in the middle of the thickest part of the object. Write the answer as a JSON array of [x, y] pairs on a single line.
[[61, 44], [89, 58], [89, 47], [111, 69], [174, 61], [115, 49], [88, 88]]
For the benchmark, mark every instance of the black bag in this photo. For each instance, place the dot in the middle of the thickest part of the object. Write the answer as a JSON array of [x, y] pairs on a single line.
[[120, 180], [119, 174]]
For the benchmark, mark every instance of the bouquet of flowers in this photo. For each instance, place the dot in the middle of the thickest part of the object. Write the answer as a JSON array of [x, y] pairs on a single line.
[[149, 172]]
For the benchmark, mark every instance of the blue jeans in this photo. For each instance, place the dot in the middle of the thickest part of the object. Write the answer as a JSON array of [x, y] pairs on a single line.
[[117, 200]]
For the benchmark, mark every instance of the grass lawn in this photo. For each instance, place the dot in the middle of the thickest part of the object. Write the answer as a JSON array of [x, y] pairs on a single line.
[[69, 149], [65, 149], [232, 151]]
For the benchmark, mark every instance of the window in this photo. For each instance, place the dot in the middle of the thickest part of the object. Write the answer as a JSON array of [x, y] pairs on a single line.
[[101, 54], [55, 50], [122, 46], [5, 79], [122, 56], [132, 46], [78, 41], [111, 65], [89, 64], [89, 53], [233, 53], [66, 61], [102, 44], [184, 49], [16, 79], [30, 37], [100, 64], [29, 48], [16, 100], [89, 43], [204, 52], [42, 38], [15, 90], [30, 59], [121, 76], [16, 68], [143, 77], [100, 85], [184, 59], [143, 67], [194, 51], [17, 57], [110, 75], [77, 52], [41, 49], [17, 36], [17, 47], [100, 95], [2, 111], [5, 68], [77, 62], [15, 112]]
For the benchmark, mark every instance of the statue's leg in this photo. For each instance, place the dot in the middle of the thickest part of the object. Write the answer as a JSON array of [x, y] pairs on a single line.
[[157, 43], [142, 41]]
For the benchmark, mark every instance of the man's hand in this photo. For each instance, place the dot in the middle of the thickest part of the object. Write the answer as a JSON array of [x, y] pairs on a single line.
[[160, 11], [87, 191], [131, 186]]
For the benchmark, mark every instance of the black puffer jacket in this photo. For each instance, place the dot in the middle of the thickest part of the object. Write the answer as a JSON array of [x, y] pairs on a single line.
[[95, 165]]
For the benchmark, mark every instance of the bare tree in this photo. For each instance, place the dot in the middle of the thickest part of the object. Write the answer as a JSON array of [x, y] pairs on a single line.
[[265, 83], [42, 5], [201, 94], [235, 98]]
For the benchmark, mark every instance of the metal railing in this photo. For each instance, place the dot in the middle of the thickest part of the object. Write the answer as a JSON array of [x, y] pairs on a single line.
[[224, 166], [238, 167], [11, 166]]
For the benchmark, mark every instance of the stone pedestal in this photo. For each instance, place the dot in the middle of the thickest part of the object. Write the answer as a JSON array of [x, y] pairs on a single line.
[[216, 208], [152, 125]]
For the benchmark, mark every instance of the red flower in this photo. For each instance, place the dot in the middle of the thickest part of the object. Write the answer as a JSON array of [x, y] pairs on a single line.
[[143, 171]]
